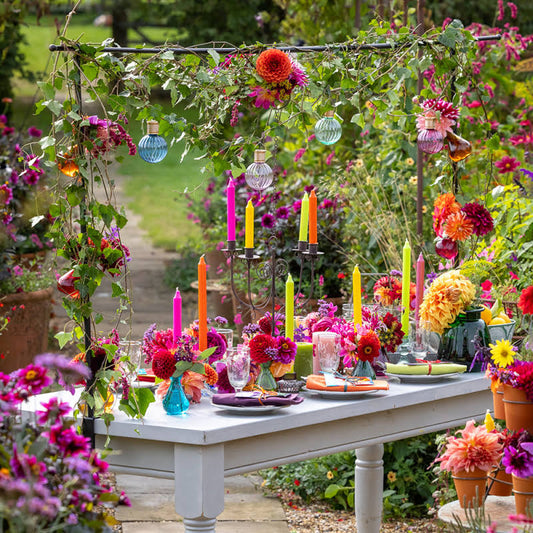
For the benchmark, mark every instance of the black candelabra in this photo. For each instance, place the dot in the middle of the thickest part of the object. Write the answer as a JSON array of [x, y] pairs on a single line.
[[270, 270]]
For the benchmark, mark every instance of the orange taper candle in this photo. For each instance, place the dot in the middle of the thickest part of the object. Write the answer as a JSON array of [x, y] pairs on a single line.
[[202, 304], [313, 238]]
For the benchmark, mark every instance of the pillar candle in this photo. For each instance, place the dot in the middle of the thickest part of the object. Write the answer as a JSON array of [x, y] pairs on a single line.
[[313, 237], [316, 361], [304, 218], [249, 226], [406, 287], [356, 287], [420, 273], [230, 192], [303, 361], [289, 308], [202, 304], [176, 317]]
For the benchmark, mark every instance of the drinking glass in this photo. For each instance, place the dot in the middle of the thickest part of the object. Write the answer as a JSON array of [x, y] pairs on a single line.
[[133, 350], [238, 365], [328, 351], [228, 337]]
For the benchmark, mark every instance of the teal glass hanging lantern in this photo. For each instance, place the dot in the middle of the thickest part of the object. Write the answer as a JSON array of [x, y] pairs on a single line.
[[259, 175], [328, 129], [152, 147]]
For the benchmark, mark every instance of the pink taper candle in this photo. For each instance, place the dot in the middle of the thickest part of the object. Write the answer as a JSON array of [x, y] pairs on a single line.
[[420, 273], [230, 192], [176, 308]]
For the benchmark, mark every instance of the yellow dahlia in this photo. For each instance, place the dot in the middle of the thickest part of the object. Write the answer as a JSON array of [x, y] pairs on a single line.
[[450, 294]]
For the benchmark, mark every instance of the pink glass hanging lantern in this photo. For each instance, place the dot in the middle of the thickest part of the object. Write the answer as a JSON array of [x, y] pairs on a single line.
[[429, 139]]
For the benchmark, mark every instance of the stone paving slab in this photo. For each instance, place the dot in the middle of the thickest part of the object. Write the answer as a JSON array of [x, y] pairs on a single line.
[[221, 527]]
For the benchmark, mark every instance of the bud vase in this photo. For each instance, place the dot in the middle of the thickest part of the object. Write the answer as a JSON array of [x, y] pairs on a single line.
[[266, 380], [175, 402], [363, 369]]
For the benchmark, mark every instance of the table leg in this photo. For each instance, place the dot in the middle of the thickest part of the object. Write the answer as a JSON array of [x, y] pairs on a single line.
[[199, 485], [369, 488]]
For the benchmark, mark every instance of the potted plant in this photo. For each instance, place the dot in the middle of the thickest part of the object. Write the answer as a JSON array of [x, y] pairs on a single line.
[[25, 281], [469, 456], [517, 379]]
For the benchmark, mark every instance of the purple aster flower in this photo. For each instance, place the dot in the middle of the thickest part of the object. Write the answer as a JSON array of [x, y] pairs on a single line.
[[300, 334], [251, 329], [268, 221], [283, 212], [14, 177], [527, 173]]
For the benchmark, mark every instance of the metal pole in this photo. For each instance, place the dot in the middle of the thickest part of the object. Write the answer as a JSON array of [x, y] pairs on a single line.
[[420, 154]]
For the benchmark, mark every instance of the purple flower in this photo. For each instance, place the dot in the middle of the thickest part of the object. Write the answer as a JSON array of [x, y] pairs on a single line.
[[53, 411], [286, 351], [34, 132], [69, 373], [33, 378], [283, 212], [517, 462], [299, 154], [330, 158], [527, 173], [268, 221], [217, 341], [18, 270]]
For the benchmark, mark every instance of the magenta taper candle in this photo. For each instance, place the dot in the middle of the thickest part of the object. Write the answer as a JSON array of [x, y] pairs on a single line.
[[176, 308], [420, 273], [230, 192]]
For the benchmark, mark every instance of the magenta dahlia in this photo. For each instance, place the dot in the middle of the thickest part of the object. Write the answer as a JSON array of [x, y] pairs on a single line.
[[164, 365], [480, 217]]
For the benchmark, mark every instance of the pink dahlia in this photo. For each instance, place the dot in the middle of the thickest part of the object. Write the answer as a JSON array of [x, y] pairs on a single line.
[[480, 217]]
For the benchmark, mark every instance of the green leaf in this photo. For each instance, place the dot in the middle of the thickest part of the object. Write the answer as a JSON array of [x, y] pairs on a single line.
[[116, 289], [63, 337], [182, 366], [90, 70], [332, 490], [54, 106], [46, 142], [198, 368], [48, 89], [215, 55], [206, 353]]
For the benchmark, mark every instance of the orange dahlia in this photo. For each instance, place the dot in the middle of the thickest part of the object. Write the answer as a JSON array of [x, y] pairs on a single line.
[[211, 376], [273, 65], [444, 206], [457, 227]]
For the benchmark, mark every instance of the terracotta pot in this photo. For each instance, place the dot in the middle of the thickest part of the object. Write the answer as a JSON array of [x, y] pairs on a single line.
[[500, 483], [518, 409], [470, 487], [27, 332], [523, 495], [499, 409]]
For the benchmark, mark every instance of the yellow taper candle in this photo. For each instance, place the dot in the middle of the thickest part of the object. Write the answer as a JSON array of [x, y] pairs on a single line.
[[356, 287], [489, 421], [304, 218], [249, 226], [406, 287], [289, 308]]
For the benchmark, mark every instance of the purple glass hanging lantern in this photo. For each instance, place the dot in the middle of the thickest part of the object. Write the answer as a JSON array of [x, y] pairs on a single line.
[[429, 139]]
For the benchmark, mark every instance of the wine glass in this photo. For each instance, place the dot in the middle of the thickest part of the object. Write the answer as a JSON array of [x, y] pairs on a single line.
[[228, 337], [328, 352], [133, 350], [238, 365]]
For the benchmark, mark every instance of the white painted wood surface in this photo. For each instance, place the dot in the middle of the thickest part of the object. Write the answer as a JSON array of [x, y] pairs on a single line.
[[202, 447]]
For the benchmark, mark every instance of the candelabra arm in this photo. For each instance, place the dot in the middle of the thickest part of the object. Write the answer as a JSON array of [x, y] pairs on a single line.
[[311, 290]]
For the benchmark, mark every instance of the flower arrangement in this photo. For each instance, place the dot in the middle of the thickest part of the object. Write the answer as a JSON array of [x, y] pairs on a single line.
[[475, 448], [448, 295], [444, 113], [518, 454], [104, 135], [519, 375], [50, 477], [388, 290], [454, 223]]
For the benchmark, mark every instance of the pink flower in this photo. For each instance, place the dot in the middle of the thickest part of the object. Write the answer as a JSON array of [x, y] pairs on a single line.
[[330, 157], [507, 164], [299, 154], [263, 97]]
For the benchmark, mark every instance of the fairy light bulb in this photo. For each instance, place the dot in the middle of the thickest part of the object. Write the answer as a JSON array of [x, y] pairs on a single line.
[[152, 147], [328, 129], [259, 175], [429, 139]]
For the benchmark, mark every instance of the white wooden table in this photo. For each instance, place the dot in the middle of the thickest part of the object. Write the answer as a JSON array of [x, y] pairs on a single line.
[[198, 450]]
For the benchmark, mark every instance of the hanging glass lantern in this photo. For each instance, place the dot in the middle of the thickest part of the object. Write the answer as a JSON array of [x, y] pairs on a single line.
[[328, 129], [458, 148], [152, 147], [429, 139], [66, 162], [259, 175]]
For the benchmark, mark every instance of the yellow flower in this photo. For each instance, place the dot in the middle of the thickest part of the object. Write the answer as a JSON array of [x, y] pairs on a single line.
[[502, 353], [329, 475], [410, 161], [424, 209], [359, 163], [391, 476], [413, 180]]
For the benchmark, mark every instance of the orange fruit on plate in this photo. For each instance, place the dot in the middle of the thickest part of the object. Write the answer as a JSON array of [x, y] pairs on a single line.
[[497, 321], [486, 314]]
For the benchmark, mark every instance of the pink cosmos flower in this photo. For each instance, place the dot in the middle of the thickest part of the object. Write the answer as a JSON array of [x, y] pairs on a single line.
[[507, 164]]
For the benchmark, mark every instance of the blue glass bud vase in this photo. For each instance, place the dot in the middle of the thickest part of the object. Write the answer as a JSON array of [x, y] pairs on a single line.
[[266, 380], [175, 402], [363, 369], [152, 147]]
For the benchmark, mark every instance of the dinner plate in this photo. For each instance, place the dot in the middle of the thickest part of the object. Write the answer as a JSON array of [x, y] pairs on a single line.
[[250, 410], [424, 378], [341, 395]]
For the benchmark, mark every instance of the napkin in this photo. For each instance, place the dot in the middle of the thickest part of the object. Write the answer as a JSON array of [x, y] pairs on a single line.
[[318, 382], [256, 400], [426, 369]]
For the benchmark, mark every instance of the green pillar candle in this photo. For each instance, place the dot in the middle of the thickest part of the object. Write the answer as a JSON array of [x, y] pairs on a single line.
[[303, 362]]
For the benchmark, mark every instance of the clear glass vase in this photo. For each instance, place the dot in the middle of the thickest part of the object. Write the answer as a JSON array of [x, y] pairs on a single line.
[[363, 369], [175, 402], [266, 380]]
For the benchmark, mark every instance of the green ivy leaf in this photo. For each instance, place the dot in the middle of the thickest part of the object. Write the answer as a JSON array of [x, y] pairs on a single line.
[[63, 337]]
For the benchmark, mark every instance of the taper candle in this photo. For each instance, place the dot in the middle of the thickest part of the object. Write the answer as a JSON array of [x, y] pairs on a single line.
[[304, 218], [176, 315], [202, 304], [420, 273], [406, 287], [313, 237], [289, 308], [249, 226], [356, 287], [230, 194]]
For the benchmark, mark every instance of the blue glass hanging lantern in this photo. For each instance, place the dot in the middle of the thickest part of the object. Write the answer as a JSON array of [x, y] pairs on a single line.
[[328, 129], [152, 147], [259, 175]]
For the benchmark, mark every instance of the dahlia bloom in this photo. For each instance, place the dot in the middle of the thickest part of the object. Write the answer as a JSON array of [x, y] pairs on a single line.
[[368, 346], [273, 65], [475, 448], [260, 346], [525, 302], [444, 206], [458, 227], [479, 216], [388, 290]]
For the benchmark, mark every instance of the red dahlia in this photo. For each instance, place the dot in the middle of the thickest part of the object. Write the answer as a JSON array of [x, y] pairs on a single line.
[[259, 346], [525, 302], [163, 365], [480, 217], [274, 66], [368, 346]]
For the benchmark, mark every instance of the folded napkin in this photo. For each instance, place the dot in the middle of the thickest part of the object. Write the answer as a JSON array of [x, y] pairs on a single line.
[[426, 369], [256, 400], [318, 382]]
